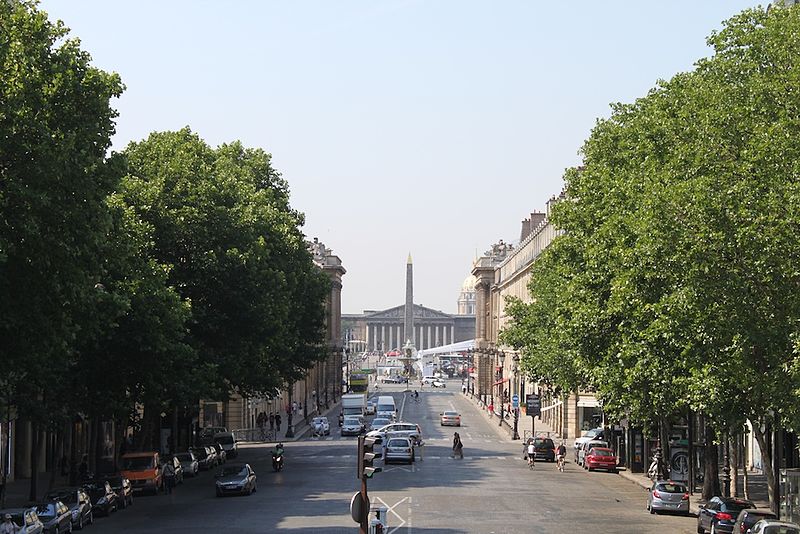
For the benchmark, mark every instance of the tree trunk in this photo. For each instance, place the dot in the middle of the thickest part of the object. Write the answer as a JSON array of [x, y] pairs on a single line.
[[766, 464], [33, 494], [745, 478], [711, 465], [57, 455], [733, 488]]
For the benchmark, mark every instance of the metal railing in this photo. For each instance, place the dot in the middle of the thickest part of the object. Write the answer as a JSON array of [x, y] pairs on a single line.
[[254, 434]]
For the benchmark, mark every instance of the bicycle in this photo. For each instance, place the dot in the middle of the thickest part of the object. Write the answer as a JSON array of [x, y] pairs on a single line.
[[531, 462]]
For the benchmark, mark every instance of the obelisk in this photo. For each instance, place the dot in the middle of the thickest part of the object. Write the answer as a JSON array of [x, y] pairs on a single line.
[[409, 308]]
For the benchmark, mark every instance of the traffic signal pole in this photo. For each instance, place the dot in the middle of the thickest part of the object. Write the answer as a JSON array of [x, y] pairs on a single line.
[[363, 527]]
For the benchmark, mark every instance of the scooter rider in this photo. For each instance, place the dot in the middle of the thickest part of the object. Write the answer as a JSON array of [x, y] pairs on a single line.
[[277, 457]]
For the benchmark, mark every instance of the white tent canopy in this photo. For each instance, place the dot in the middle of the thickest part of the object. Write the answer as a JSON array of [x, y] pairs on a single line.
[[448, 349]]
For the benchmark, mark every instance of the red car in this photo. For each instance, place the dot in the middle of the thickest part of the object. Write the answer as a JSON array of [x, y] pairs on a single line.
[[601, 458]]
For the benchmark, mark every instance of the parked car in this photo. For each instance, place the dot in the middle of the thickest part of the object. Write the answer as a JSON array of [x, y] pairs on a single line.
[[439, 383], [408, 430], [78, 502], [104, 500], [720, 514], [398, 448], [143, 469], [236, 479], [450, 418], [544, 449], [213, 458], [321, 426], [123, 488], [352, 426], [601, 458], [55, 516], [773, 526], [587, 447], [749, 517], [590, 435], [219, 450], [370, 408], [204, 458], [176, 465], [228, 443], [665, 496], [207, 434], [379, 422], [25, 518], [189, 463]]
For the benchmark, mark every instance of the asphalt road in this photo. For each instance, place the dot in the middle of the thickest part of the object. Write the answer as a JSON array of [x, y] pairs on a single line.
[[490, 491]]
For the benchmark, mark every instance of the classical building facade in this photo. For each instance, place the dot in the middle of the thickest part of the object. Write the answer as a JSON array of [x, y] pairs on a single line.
[[466, 298], [503, 272]]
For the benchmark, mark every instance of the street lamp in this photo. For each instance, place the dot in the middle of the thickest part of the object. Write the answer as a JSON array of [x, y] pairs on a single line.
[[515, 370], [502, 357]]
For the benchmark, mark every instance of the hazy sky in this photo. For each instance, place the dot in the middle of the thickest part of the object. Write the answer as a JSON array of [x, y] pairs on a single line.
[[430, 127]]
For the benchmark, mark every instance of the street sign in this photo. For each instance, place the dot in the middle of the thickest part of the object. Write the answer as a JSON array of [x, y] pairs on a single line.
[[515, 401], [357, 507], [533, 405]]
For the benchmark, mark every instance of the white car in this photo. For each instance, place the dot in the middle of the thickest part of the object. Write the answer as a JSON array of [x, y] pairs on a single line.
[[439, 383], [352, 426], [409, 430], [595, 433], [370, 408], [321, 426], [379, 422]]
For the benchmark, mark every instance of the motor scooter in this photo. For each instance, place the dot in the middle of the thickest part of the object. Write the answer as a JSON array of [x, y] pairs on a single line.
[[277, 460]]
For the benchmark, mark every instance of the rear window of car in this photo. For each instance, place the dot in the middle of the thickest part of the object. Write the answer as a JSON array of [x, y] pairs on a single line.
[[398, 443], [603, 452], [670, 487], [780, 529], [543, 443], [450, 414], [735, 506]]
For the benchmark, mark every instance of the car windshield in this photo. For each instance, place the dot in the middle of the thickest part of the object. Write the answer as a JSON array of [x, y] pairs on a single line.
[[780, 529], [380, 421], [450, 414], [396, 442], [225, 440], [603, 452], [320, 420], [184, 457], [115, 482], [544, 443], [233, 470], [138, 463], [352, 421], [385, 407], [67, 497], [670, 487]]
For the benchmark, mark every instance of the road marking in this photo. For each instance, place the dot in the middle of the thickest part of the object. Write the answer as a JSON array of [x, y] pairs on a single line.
[[391, 509]]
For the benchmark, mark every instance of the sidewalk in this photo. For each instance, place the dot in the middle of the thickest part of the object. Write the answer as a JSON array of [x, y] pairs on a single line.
[[506, 429]]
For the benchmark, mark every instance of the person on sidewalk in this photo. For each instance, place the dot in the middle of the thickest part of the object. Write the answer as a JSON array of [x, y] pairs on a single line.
[[8, 526], [278, 422], [458, 447], [272, 421], [169, 475]]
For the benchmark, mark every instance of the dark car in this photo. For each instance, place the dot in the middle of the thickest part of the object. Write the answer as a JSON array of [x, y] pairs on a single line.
[[55, 516], [123, 488], [544, 449], [749, 517], [720, 514], [204, 460], [78, 502], [104, 500]]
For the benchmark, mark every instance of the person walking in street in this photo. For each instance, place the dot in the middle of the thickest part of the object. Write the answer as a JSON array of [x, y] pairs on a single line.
[[169, 475], [458, 447], [272, 421], [8, 526], [278, 422]]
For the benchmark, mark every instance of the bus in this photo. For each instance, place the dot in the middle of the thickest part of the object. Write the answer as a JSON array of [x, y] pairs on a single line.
[[358, 383]]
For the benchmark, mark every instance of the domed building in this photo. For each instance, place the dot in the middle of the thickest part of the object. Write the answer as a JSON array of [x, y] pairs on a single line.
[[466, 299]]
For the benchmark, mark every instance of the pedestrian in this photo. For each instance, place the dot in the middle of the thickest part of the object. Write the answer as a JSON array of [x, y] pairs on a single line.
[[464, 389], [458, 447], [8, 526], [169, 475], [300, 406], [278, 422], [294, 407], [420, 447], [272, 421]]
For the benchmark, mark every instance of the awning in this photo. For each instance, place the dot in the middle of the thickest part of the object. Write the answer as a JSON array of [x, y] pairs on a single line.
[[588, 402], [503, 381]]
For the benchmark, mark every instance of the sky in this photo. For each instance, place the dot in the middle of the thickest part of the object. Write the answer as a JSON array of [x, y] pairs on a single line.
[[429, 128]]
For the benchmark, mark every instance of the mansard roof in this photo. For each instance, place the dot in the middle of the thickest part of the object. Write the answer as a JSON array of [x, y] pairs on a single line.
[[398, 312]]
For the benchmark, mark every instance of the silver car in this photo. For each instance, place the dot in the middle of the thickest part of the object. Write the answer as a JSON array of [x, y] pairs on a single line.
[[321, 426], [379, 422], [352, 426], [774, 526], [236, 479], [667, 496], [189, 463], [409, 430], [398, 448]]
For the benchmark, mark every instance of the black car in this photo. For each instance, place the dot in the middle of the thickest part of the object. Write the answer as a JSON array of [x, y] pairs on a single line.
[[720, 514], [749, 517], [55, 516], [78, 502], [544, 449], [123, 488], [104, 500]]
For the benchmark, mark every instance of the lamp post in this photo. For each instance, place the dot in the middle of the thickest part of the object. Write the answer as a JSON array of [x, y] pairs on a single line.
[[502, 358], [515, 370]]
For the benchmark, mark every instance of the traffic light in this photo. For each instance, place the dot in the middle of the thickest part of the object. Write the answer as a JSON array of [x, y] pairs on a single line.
[[366, 456]]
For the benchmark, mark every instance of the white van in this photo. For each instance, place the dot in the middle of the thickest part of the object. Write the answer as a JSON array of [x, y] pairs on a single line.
[[428, 379], [386, 407]]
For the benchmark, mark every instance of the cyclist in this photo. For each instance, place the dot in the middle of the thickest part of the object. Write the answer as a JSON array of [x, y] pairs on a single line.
[[531, 454], [416, 395], [561, 454]]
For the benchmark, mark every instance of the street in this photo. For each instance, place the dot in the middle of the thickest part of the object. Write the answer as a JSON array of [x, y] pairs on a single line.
[[490, 491]]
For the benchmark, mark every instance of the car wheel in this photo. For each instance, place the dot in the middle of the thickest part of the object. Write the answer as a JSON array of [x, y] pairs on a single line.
[[650, 508], [255, 488]]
